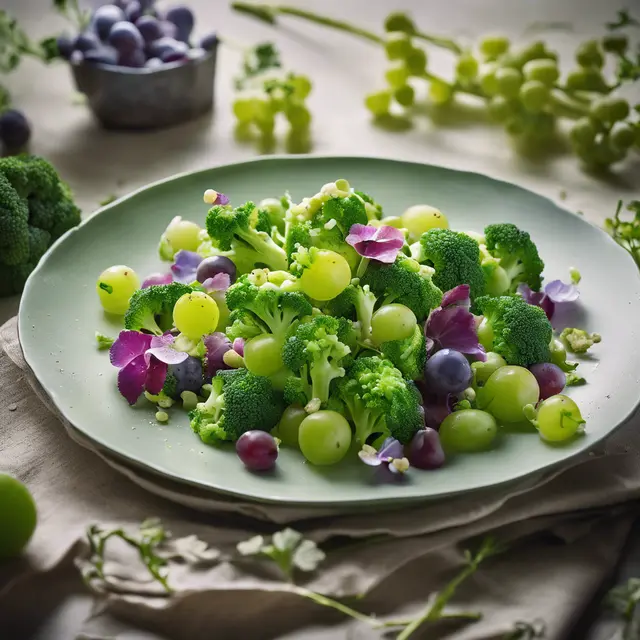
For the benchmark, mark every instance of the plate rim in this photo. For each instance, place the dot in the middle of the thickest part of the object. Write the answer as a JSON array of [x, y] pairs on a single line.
[[137, 461]]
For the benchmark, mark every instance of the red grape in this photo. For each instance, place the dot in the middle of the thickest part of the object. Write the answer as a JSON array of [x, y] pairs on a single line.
[[257, 450], [211, 267], [424, 451], [551, 379], [447, 371]]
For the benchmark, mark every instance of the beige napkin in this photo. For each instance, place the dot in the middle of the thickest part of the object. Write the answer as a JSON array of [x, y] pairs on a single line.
[[566, 531]]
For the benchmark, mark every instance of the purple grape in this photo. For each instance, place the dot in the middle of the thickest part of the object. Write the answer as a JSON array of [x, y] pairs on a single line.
[[425, 451], [65, 46], [133, 11], [149, 28], [551, 379], [125, 37], [15, 129], [447, 371], [105, 17], [209, 42], [183, 18], [135, 59], [188, 374], [214, 265], [146, 4], [86, 41], [177, 52], [168, 29], [159, 46], [153, 63], [257, 450], [101, 55], [76, 57]]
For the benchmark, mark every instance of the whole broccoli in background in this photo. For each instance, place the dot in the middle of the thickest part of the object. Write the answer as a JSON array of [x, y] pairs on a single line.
[[380, 401], [36, 208], [454, 256], [151, 309], [518, 331], [239, 401]]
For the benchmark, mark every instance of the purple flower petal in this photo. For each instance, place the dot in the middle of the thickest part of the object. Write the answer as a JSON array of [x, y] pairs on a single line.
[[390, 449], [131, 379], [538, 299], [185, 266], [376, 243], [359, 233], [369, 456], [156, 375], [238, 346], [128, 346], [157, 278], [161, 349], [454, 328], [216, 345], [458, 296], [557, 291], [219, 282], [222, 199]]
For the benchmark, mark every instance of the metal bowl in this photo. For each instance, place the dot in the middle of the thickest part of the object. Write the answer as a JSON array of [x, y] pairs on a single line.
[[148, 98]]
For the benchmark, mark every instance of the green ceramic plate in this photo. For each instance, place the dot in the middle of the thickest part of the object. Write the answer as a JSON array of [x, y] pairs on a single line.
[[60, 313]]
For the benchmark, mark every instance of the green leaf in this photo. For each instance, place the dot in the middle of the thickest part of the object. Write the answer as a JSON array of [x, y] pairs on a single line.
[[308, 556], [624, 20], [60, 5], [49, 48]]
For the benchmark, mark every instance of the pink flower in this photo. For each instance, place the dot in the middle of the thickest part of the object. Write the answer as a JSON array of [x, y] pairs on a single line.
[[143, 362], [555, 292], [377, 243], [156, 279]]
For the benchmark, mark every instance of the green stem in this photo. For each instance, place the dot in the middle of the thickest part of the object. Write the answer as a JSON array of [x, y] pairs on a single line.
[[443, 43], [324, 601], [566, 106]]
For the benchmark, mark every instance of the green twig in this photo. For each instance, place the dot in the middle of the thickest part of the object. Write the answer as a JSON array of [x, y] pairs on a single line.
[[443, 43]]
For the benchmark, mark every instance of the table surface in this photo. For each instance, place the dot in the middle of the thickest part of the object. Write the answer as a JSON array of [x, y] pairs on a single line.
[[343, 69]]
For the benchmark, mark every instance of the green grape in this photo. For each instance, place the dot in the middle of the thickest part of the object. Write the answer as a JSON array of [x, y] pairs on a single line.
[[615, 43], [398, 21], [466, 67], [115, 286], [583, 132], [609, 109], [545, 71], [589, 54], [535, 51], [509, 82], [482, 370], [534, 95], [398, 45], [324, 437], [507, 391], [622, 135], [183, 234], [501, 109], [392, 322], [558, 352], [378, 103], [244, 109], [262, 355], [586, 79], [301, 86], [558, 419], [223, 318], [494, 46], [328, 275], [298, 116], [516, 126], [417, 62], [18, 514], [195, 315], [488, 82], [421, 218], [289, 425], [440, 92], [468, 431], [405, 95], [397, 76]]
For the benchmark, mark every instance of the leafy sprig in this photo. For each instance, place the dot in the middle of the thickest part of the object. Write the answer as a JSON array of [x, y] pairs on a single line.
[[624, 600], [626, 232]]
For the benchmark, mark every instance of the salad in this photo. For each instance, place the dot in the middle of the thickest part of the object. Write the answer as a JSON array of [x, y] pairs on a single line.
[[323, 326]]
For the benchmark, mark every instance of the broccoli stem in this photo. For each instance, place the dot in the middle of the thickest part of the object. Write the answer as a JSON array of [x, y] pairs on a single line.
[[323, 373], [365, 302], [270, 253]]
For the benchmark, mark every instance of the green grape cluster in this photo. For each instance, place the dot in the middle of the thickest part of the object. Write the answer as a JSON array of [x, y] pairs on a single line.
[[264, 91]]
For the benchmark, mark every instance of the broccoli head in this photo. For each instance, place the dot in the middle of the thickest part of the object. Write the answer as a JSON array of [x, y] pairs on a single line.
[[151, 309], [579, 340], [373, 209], [405, 282], [518, 331], [317, 354], [355, 303], [239, 401], [380, 401], [454, 256], [344, 211], [409, 355], [515, 253], [245, 230]]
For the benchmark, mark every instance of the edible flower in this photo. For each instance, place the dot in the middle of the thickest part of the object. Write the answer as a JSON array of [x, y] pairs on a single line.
[[219, 282], [143, 361], [222, 354], [215, 197], [453, 326], [390, 456], [376, 243], [555, 292], [185, 266], [156, 279]]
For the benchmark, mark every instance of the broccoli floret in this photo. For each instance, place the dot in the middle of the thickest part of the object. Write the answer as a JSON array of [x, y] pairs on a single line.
[[36, 207], [316, 354], [409, 355], [373, 209], [516, 254], [239, 401], [405, 282], [263, 306], [518, 331], [275, 210], [355, 303], [345, 211], [151, 309], [574, 379], [579, 340], [243, 230], [454, 256], [103, 342], [380, 401]]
